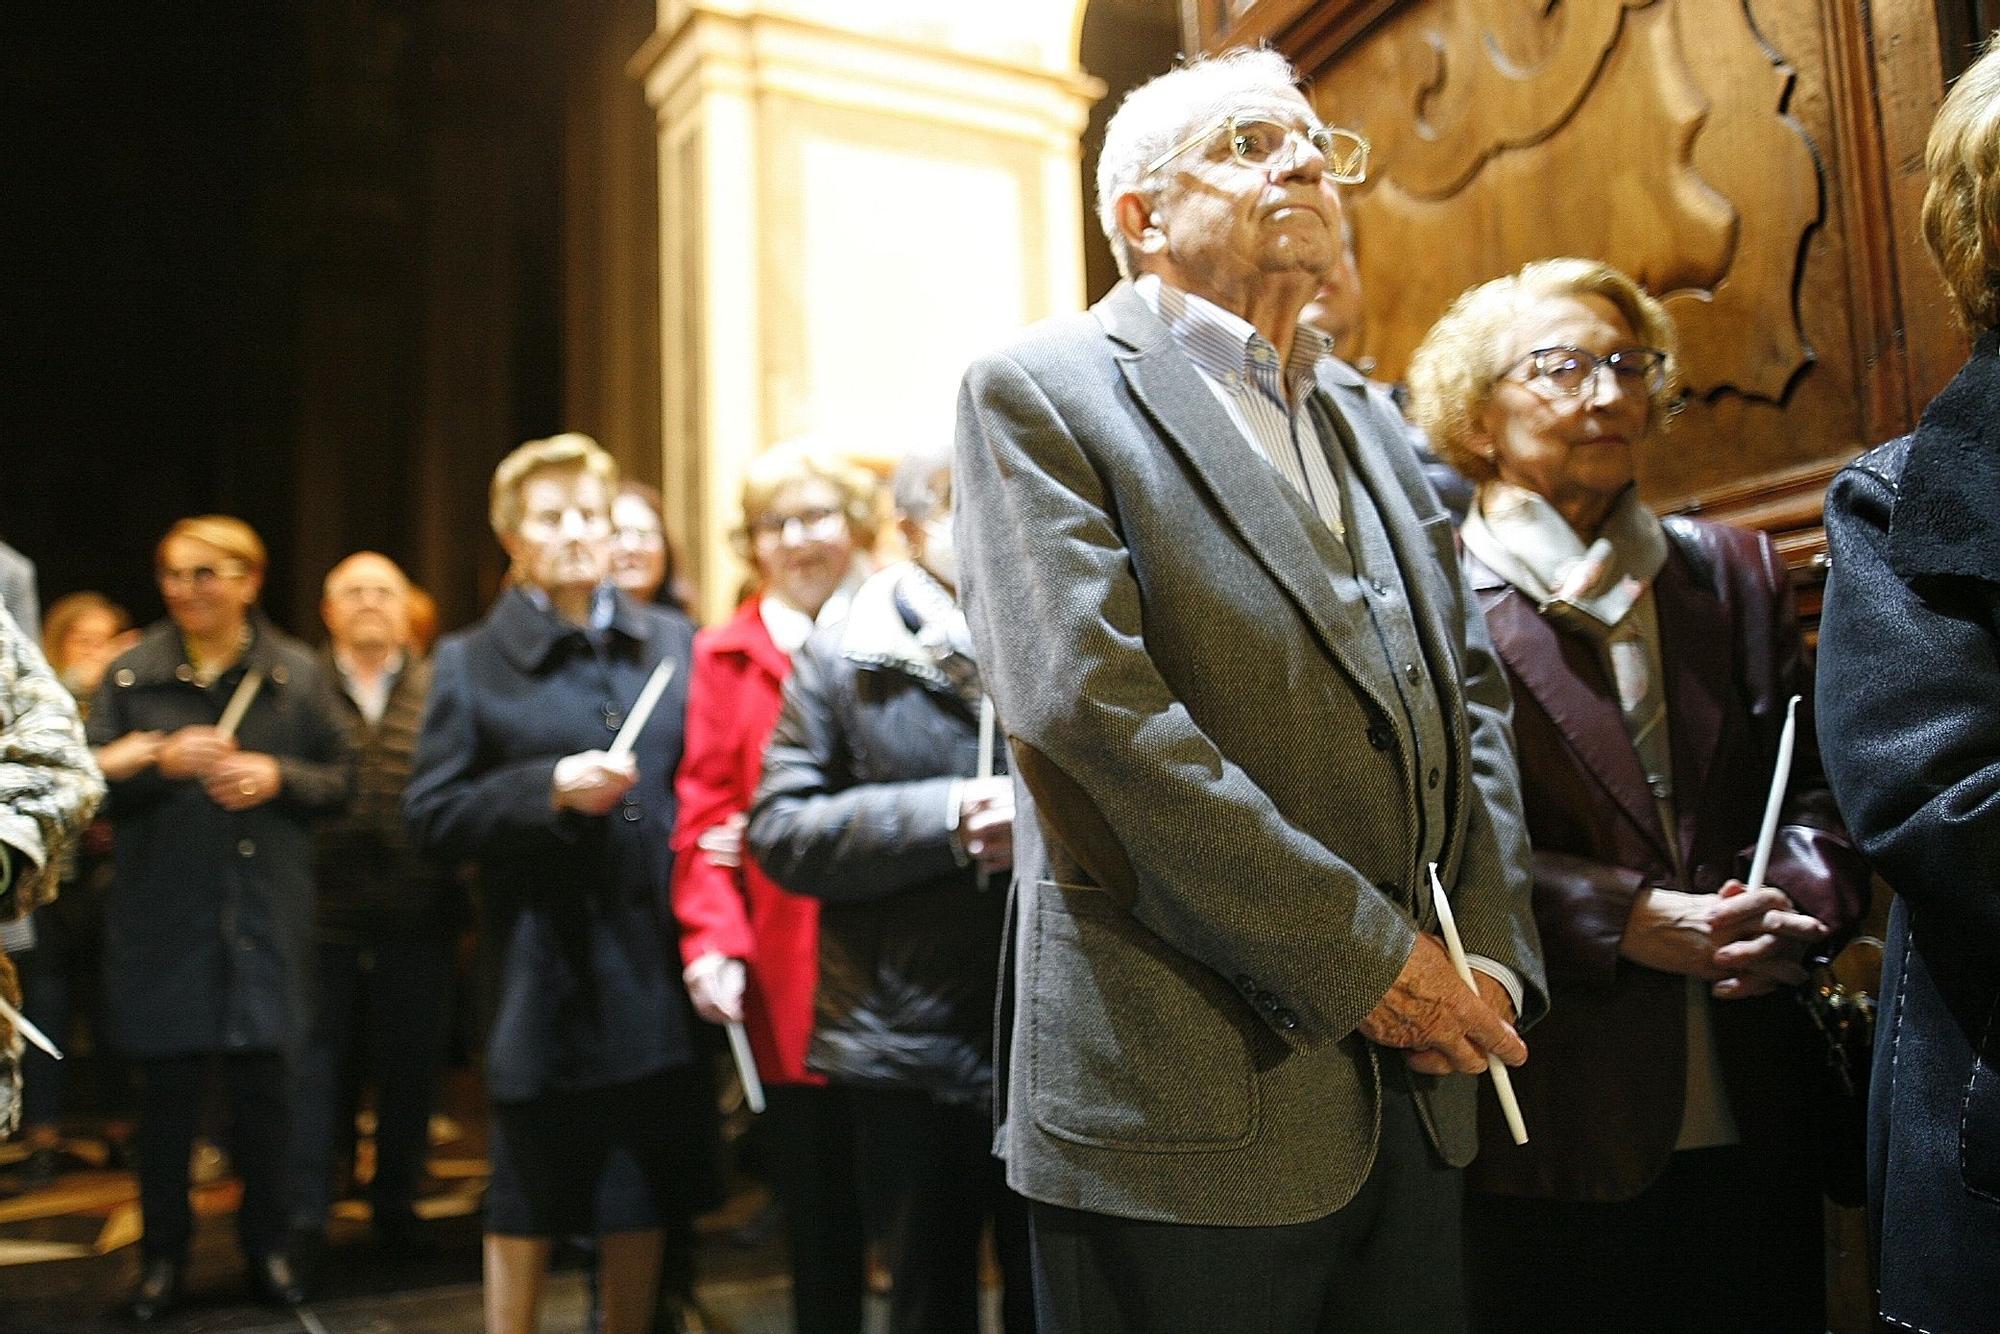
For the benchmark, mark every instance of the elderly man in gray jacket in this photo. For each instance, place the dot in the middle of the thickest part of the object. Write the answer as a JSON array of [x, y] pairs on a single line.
[[1250, 706]]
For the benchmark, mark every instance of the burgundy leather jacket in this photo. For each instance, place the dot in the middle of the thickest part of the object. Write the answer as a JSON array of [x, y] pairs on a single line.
[[1603, 1086]]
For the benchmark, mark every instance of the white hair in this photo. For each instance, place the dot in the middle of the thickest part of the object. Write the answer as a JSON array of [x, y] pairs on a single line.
[[1163, 111]]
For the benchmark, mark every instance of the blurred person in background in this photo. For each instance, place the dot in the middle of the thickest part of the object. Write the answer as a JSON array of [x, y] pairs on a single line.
[[603, 1122], [387, 924], [876, 801], [49, 788], [209, 919], [61, 971], [643, 561], [750, 947]]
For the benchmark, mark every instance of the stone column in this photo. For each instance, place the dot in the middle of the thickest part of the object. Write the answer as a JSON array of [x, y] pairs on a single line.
[[856, 199]]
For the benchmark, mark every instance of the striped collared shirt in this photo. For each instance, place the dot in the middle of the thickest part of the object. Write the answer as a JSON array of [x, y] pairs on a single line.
[[1270, 405]]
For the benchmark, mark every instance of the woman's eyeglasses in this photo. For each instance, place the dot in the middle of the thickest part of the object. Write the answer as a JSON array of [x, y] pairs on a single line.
[[1568, 370]]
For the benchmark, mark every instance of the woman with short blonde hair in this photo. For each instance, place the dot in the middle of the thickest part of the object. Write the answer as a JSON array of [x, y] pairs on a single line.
[[1651, 663], [603, 1123]]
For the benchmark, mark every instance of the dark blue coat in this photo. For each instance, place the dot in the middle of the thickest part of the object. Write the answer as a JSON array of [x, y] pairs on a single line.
[[580, 958], [1909, 727], [210, 913]]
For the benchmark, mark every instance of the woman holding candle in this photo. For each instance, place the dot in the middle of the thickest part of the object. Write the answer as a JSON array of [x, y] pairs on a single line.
[[1670, 1181], [603, 1123], [751, 949], [221, 740], [1910, 658]]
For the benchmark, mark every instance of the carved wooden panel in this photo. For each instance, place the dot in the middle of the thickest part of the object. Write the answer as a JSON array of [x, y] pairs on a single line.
[[1734, 155]]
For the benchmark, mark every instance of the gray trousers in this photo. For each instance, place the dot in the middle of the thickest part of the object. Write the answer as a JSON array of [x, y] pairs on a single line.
[[1387, 1263]]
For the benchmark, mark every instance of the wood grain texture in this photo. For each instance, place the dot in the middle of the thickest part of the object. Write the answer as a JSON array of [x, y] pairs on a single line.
[[1755, 163]]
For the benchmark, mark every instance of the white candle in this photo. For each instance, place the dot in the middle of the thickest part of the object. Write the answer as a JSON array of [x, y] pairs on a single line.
[[1781, 779], [1503, 1087], [746, 1067], [239, 703], [642, 709]]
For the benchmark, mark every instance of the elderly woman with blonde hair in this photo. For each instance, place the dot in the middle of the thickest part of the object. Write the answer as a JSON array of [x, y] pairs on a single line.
[[221, 740], [1910, 722], [1651, 664], [603, 1123], [751, 949]]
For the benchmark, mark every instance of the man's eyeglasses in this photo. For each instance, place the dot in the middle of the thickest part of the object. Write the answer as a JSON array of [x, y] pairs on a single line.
[[813, 525], [199, 576], [1257, 142], [1568, 370]]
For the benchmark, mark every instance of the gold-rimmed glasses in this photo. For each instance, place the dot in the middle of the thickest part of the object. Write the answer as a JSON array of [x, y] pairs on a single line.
[[1257, 141]]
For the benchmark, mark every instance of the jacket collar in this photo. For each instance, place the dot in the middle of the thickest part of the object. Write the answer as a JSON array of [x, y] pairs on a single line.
[[1565, 676], [875, 633], [529, 635], [1947, 514], [161, 655], [744, 634], [1274, 523]]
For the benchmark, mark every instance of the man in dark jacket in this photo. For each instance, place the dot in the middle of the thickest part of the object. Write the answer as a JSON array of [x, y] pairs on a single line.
[[878, 801], [386, 924]]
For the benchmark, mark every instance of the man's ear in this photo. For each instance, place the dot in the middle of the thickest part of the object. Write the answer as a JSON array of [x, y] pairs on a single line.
[[1139, 223]]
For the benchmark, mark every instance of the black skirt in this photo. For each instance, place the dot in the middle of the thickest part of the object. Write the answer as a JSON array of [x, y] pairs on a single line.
[[623, 1158]]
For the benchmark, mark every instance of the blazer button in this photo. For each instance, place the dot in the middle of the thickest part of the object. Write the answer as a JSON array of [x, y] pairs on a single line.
[[1268, 1003], [246, 848], [1431, 779], [1246, 984], [125, 676], [1414, 672], [1378, 736], [1286, 1020], [632, 814]]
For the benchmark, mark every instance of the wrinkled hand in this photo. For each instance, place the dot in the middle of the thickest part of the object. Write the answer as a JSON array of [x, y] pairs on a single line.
[[191, 752], [722, 843], [129, 754], [1431, 1012], [986, 822], [591, 782], [1753, 940], [1774, 957], [243, 779], [715, 984], [1427, 1062]]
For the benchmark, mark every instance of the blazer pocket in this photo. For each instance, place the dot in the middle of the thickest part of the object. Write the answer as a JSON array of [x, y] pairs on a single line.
[[1979, 1120], [1132, 1044]]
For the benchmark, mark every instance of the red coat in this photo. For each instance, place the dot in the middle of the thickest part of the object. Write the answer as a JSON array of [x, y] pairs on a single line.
[[734, 692]]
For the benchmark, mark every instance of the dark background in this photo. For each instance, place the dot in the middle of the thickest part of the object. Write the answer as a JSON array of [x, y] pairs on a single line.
[[295, 263]]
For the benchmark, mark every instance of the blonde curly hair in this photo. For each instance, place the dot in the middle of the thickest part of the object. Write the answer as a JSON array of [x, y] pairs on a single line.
[[1453, 371], [1962, 204]]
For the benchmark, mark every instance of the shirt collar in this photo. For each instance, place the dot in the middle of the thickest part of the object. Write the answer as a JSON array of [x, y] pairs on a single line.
[[1224, 345]]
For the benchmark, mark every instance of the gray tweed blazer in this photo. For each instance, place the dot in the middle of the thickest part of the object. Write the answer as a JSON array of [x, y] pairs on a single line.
[[1215, 858]]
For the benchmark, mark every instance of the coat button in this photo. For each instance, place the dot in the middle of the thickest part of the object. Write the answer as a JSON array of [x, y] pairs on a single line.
[[1413, 672], [632, 814], [1381, 589], [1431, 779], [183, 673], [1378, 736], [1246, 984], [1268, 1003], [1286, 1020], [246, 848], [125, 676], [279, 675]]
